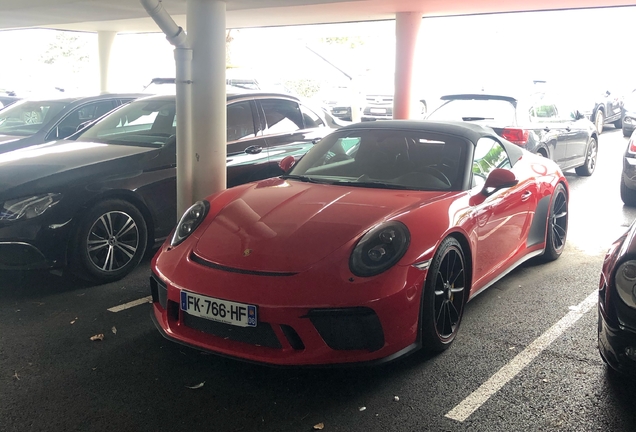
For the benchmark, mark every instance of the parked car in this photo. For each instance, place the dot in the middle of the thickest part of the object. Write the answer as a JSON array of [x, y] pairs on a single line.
[[367, 250], [628, 176], [95, 202], [617, 304], [5, 101], [602, 107], [379, 106], [31, 122], [339, 100], [629, 114], [537, 124]]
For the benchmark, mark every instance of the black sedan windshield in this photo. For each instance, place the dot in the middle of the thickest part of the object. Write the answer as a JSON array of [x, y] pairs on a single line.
[[142, 123], [386, 159], [28, 117]]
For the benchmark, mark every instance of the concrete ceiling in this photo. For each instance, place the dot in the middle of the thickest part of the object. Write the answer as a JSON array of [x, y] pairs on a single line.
[[130, 16]]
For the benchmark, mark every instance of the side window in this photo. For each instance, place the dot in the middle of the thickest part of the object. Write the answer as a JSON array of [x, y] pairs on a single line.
[[489, 154], [543, 112], [282, 116], [83, 114], [311, 119], [240, 122]]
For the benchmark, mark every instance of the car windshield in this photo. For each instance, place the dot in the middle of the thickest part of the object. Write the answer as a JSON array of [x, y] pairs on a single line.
[[386, 159], [150, 123], [28, 117], [478, 110]]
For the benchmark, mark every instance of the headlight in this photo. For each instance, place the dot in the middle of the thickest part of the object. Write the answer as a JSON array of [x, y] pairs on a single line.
[[28, 207], [190, 221], [379, 249], [625, 281]]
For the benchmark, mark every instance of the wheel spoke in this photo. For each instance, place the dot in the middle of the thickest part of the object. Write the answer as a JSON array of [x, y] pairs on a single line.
[[127, 249], [130, 224], [94, 245], [459, 273]]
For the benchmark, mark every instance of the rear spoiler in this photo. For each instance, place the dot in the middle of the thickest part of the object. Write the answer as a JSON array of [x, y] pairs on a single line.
[[479, 96]]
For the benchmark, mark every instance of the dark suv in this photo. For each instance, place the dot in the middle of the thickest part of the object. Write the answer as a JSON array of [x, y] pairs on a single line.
[[535, 123]]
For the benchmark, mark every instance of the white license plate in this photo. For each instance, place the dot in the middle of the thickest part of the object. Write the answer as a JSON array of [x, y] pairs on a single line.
[[238, 314], [378, 110]]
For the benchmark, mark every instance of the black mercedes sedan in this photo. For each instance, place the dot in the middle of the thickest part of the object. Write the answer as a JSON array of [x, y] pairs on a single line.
[[537, 124], [96, 202], [30, 122]]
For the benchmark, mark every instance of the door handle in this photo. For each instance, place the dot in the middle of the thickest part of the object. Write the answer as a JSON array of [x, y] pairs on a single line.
[[526, 196], [254, 149]]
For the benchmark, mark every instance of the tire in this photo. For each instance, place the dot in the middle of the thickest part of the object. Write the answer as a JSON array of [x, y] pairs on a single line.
[[626, 133], [557, 229], [618, 123], [444, 296], [109, 241], [599, 121], [627, 195], [587, 169]]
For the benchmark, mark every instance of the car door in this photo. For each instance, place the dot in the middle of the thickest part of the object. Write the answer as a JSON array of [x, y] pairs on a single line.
[[247, 154], [550, 129], [501, 218], [79, 115], [577, 133]]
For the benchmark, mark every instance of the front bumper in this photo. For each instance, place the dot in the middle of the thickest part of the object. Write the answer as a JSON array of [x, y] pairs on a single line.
[[613, 342], [316, 317], [629, 172], [39, 243]]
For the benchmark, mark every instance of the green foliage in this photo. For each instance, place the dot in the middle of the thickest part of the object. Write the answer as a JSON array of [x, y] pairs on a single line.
[[347, 41], [303, 87]]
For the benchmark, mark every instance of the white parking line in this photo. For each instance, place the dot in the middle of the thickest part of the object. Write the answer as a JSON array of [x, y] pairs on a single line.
[[476, 399], [131, 304]]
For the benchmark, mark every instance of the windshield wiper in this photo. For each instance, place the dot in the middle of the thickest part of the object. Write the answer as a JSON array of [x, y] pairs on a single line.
[[300, 178], [373, 184]]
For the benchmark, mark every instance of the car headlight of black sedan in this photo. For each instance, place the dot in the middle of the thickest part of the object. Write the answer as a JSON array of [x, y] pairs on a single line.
[[28, 207], [626, 282], [190, 220]]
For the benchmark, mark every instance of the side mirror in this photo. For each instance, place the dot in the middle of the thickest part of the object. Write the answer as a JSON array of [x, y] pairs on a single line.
[[578, 115], [499, 179], [287, 163]]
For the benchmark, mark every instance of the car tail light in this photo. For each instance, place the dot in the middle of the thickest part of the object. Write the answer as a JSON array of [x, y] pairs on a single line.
[[517, 136], [631, 147]]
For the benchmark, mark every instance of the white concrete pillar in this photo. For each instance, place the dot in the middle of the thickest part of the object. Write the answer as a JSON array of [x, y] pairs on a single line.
[[206, 36], [105, 41], [185, 178], [407, 27]]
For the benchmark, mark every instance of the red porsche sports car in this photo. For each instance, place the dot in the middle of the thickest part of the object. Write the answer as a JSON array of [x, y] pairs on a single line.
[[366, 250]]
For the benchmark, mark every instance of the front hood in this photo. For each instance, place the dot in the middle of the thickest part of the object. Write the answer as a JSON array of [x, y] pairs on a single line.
[[37, 164], [287, 226], [5, 139]]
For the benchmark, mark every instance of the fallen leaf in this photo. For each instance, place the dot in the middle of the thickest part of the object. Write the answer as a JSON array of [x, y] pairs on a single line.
[[114, 330], [362, 408], [15, 375], [511, 348], [198, 386], [319, 426], [396, 398], [545, 380], [73, 322], [98, 337]]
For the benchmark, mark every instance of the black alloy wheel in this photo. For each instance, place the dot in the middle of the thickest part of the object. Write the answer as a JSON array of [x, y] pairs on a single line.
[[557, 225], [587, 169], [444, 296], [110, 241]]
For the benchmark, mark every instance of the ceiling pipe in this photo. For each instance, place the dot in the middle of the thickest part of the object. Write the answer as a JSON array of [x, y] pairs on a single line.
[[183, 78]]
